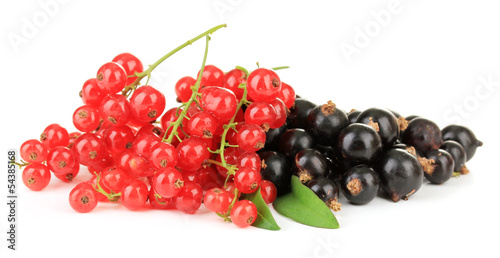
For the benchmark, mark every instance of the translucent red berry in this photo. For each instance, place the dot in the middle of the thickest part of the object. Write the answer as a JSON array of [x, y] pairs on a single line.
[[92, 94], [83, 197], [247, 180], [207, 178], [111, 78], [212, 76], [287, 95], [143, 143], [36, 176], [147, 103], [281, 114], [33, 151], [68, 176], [118, 138], [163, 155], [160, 202], [86, 118], [115, 110], [219, 101], [54, 135], [183, 88], [203, 124], [243, 213], [114, 179], [217, 200], [89, 149], [140, 166], [232, 81], [134, 194], [249, 159], [168, 182], [263, 85], [131, 64], [268, 191], [251, 137], [190, 198], [260, 113], [61, 160], [192, 152]]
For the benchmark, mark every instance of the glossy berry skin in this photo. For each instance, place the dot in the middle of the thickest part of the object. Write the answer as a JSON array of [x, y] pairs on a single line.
[[249, 159], [299, 113], [168, 182], [212, 76], [190, 198], [423, 134], [160, 202], [33, 151], [310, 165], [401, 175], [83, 198], [360, 184], [114, 179], [131, 64], [275, 168], [134, 195], [72, 138], [89, 149], [115, 110], [163, 155], [86, 118], [61, 160], [260, 113], [54, 135], [183, 88], [386, 123], [251, 137], [353, 116], [294, 140], [118, 138], [243, 213], [68, 176], [217, 200], [247, 180], [207, 178], [231, 157], [203, 124], [287, 95], [273, 138], [359, 144], [111, 78], [36, 176], [442, 167], [91, 93], [325, 122], [263, 85], [219, 101], [147, 104], [143, 144], [281, 114], [458, 154], [232, 81], [140, 166], [464, 136], [327, 191], [192, 152], [268, 191]]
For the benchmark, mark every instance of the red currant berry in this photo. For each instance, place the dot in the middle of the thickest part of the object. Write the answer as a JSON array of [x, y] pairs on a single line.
[[115, 110], [33, 151], [100, 197], [163, 155], [111, 78], [251, 138], [100, 165], [118, 138], [230, 188], [114, 179], [263, 85], [232, 81], [72, 138], [207, 178], [70, 175], [86, 118], [203, 124], [268, 191], [231, 136], [217, 200], [249, 159], [134, 194], [219, 101], [190, 198], [36, 176], [89, 149], [183, 88], [230, 156], [191, 176], [281, 114], [123, 159], [287, 95], [247, 180], [143, 143], [260, 113], [83, 197], [92, 94], [140, 167], [61, 160], [147, 103], [131, 64], [151, 129], [160, 202], [243, 213], [168, 182], [193, 151], [54, 135], [212, 76]]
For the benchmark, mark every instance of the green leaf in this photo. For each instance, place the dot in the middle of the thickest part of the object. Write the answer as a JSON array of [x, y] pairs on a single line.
[[265, 218], [303, 206]]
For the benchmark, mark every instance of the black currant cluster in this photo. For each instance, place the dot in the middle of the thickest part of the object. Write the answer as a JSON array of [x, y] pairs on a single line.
[[362, 153]]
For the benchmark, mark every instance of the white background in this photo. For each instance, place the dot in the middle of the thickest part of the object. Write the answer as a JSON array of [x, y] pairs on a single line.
[[417, 57]]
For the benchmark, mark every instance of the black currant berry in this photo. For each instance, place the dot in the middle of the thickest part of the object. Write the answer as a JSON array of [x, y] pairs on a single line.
[[299, 113], [440, 168], [401, 174], [359, 144], [273, 138], [325, 122], [327, 191], [423, 134], [353, 115], [327, 151], [293, 141], [464, 136], [276, 169], [309, 165], [384, 122], [360, 184], [409, 118], [458, 153]]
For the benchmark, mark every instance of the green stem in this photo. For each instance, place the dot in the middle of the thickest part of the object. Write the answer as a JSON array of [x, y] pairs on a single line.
[[280, 68], [112, 197], [194, 95], [148, 71]]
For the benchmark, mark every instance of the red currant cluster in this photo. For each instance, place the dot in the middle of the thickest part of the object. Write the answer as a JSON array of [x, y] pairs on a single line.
[[137, 153]]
